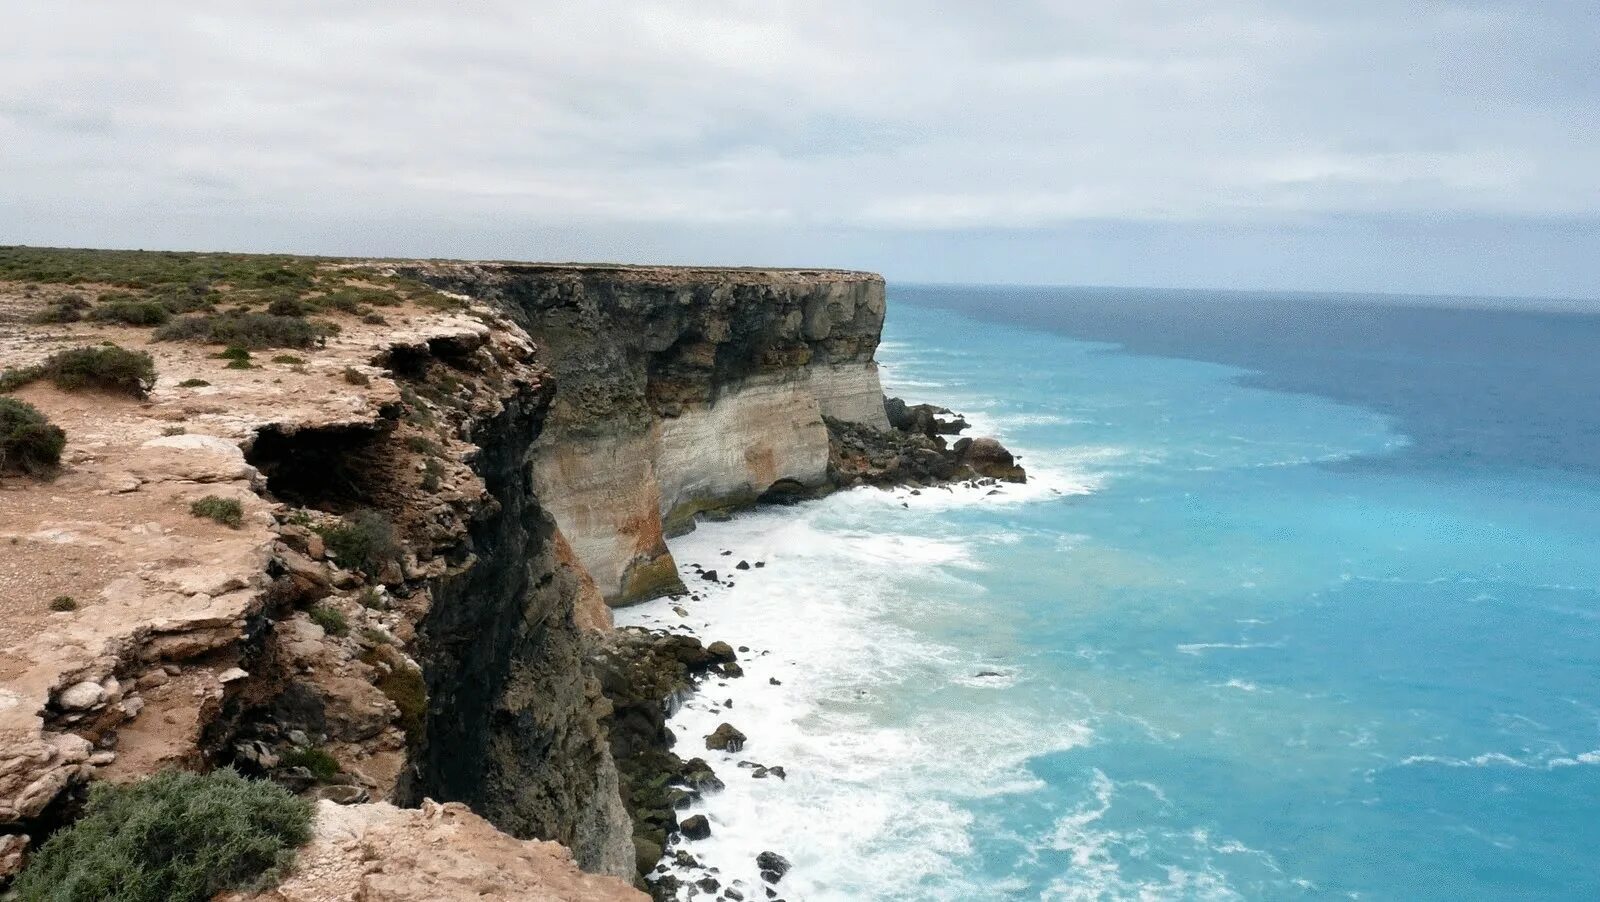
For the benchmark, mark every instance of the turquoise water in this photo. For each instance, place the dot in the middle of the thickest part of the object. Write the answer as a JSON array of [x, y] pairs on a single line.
[[1233, 641]]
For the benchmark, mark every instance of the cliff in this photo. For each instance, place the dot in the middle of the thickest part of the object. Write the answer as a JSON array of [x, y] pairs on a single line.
[[369, 561], [386, 612], [683, 392]]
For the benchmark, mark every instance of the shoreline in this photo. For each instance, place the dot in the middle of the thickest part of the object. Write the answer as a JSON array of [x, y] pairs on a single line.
[[783, 700]]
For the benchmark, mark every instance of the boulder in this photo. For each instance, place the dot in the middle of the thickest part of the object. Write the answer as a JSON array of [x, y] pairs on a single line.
[[725, 738], [988, 457], [698, 776], [721, 651], [81, 696], [696, 827], [772, 865]]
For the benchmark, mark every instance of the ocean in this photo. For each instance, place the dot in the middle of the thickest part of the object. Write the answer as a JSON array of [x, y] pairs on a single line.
[[1302, 601]]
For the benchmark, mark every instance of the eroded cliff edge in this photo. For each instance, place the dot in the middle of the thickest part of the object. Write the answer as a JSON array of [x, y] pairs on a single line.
[[523, 436], [683, 392]]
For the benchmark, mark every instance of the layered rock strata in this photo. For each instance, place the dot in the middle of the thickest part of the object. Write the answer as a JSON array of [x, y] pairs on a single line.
[[682, 392]]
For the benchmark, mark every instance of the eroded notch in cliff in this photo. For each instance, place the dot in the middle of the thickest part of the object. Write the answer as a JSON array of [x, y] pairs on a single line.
[[330, 468]]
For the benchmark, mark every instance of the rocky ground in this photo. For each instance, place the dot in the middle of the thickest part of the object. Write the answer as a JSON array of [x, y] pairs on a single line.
[[136, 635], [435, 853], [915, 451]]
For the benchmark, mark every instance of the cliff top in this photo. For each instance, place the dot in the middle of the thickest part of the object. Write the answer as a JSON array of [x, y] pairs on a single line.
[[74, 265], [138, 570]]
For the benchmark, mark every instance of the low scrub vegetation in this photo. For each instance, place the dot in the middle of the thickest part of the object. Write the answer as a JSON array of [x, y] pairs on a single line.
[[102, 367], [322, 765], [363, 541], [247, 330], [131, 313], [226, 511], [66, 309], [332, 620], [29, 442], [176, 837], [63, 603]]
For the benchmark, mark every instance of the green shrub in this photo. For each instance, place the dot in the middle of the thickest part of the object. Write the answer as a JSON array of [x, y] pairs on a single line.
[[355, 376], [176, 837], [105, 367], [247, 330], [173, 430], [193, 383], [322, 765], [289, 359], [404, 686], [132, 313], [56, 313], [29, 442], [332, 620], [373, 636], [226, 511], [286, 306], [63, 603], [375, 319], [364, 540], [370, 598], [353, 300]]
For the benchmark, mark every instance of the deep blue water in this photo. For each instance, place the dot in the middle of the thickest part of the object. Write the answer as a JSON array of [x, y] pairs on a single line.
[[1303, 603]]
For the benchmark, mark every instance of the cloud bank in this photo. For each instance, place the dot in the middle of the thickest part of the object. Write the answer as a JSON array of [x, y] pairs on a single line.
[[1446, 146]]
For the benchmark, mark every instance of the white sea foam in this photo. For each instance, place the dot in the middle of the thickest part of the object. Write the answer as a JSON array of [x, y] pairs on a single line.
[[1198, 648], [872, 801], [1501, 759]]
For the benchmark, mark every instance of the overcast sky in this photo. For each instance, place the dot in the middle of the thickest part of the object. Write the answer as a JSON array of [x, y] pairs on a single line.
[[1332, 144]]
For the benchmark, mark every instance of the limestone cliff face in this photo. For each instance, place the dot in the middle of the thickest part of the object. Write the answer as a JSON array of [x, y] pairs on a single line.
[[680, 392]]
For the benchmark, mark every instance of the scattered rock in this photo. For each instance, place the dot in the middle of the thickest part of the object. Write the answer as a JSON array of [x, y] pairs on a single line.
[[696, 827], [742, 565], [725, 738], [774, 681], [721, 651], [773, 866], [732, 670], [81, 696], [646, 852], [698, 776], [709, 576]]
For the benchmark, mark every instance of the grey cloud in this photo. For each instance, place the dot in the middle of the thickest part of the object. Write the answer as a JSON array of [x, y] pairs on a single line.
[[1014, 127]]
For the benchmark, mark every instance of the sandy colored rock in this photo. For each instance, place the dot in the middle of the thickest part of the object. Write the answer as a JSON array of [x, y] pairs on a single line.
[[436, 853]]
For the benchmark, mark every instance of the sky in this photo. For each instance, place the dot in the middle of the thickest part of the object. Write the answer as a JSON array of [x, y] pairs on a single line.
[[1436, 147]]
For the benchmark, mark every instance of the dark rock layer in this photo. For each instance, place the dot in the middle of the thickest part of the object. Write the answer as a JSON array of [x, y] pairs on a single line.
[[511, 724]]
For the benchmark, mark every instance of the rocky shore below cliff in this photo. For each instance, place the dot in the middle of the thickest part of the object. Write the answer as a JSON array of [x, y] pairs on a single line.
[[649, 673], [914, 451]]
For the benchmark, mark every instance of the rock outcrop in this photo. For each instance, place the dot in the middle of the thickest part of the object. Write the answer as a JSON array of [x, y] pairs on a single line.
[[435, 853], [682, 392], [913, 451]]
